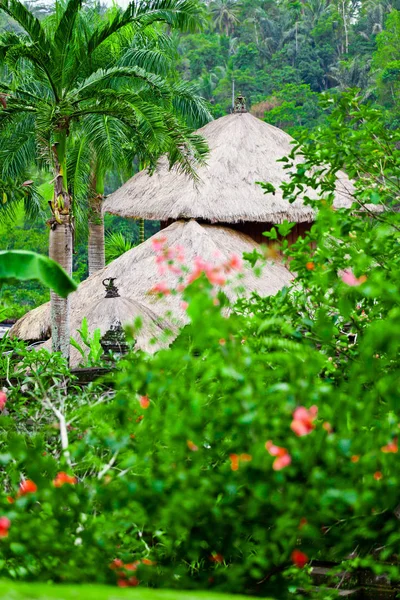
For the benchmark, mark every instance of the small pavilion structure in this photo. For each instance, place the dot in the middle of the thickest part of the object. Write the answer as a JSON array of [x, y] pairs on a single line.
[[243, 151], [138, 274]]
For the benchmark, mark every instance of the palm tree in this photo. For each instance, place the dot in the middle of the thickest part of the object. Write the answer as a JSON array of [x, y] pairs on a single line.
[[112, 146], [65, 86], [225, 15]]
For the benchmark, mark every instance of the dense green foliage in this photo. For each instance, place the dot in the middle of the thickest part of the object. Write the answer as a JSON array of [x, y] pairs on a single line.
[[267, 47], [255, 443]]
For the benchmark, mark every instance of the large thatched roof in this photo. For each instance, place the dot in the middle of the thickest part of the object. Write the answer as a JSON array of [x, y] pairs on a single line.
[[137, 272], [243, 150]]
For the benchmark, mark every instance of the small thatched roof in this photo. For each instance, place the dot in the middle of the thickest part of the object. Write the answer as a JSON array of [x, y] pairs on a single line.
[[109, 315], [137, 273], [243, 150]]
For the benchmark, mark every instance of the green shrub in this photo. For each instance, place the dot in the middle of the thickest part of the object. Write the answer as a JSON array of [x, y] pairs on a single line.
[[254, 444]]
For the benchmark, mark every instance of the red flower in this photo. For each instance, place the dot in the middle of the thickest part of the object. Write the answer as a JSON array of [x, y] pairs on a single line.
[[144, 402], [378, 476], [217, 558], [299, 558], [3, 400], [283, 458], [391, 447], [131, 582], [4, 526], [116, 564], [303, 522], [303, 420], [62, 478], [27, 487]]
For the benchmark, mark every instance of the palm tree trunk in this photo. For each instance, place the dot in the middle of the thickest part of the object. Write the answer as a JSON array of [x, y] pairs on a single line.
[[60, 245], [60, 250], [96, 253]]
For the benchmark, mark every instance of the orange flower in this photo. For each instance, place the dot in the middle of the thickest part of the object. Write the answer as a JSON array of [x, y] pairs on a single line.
[[355, 458], [245, 457], [234, 458], [237, 458], [303, 420], [283, 458], [391, 447], [327, 426], [378, 476], [192, 446], [310, 266], [144, 402], [63, 478], [27, 487], [299, 558]]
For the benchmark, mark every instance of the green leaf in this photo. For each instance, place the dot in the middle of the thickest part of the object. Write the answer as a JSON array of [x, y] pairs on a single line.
[[267, 187], [22, 265]]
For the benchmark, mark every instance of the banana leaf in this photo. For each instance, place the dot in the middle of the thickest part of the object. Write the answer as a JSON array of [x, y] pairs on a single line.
[[21, 265]]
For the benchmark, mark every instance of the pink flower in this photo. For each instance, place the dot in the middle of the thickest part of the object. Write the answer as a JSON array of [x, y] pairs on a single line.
[[184, 305], [303, 420], [159, 243], [235, 263], [3, 400], [212, 272], [160, 288], [348, 277], [283, 458]]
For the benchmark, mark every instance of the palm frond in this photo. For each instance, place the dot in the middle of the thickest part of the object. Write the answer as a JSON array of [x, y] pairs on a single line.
[[27, 20], [188, 104], [102, 77]]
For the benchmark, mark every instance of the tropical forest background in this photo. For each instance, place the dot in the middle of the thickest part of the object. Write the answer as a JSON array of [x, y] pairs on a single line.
[[283, 56]]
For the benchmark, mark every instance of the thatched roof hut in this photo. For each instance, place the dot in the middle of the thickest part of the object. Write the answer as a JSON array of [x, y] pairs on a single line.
[[243, 150], [137, 273]]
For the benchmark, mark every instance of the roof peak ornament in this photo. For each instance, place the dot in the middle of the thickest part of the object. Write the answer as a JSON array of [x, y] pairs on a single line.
[[240, 104], [111, 289]]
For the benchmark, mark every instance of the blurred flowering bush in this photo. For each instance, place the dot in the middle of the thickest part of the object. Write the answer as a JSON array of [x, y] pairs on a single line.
[[256, 443]]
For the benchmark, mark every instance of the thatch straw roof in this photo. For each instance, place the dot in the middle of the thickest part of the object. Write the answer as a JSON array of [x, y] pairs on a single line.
[[243, 150], [137, 273]]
